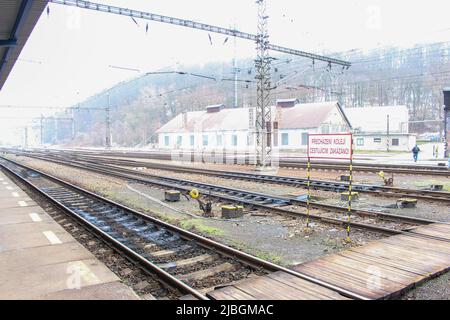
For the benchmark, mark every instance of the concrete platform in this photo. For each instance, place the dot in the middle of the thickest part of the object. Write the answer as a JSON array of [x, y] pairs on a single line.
[[40, 260]]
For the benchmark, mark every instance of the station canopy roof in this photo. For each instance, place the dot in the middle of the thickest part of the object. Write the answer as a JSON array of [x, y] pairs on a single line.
[[17, 21]]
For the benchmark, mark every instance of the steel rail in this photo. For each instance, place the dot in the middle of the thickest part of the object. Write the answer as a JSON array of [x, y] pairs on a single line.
[[228, 198], [184, 155], [369, 168], [251, 260], [117, 245], [284, 162], [284, 180], [279, 199]]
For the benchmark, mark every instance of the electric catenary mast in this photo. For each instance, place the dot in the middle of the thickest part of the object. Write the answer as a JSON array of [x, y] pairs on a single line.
[[263, 123]]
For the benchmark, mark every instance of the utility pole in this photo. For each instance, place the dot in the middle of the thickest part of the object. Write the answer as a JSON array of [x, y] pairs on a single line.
[[108, 125], [441, 122], [235, 70], [263, 123], [25, 137], [446, 131], [72, 113], [42, 130], [56, 122], [56, 129], [446, 121], [263, 115], [387, 133]]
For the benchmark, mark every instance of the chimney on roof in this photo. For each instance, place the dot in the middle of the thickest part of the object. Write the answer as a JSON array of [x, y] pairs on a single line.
[[214, 108], [287, 103]]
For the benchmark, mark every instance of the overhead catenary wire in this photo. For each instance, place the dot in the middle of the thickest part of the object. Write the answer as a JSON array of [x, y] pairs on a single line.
[[344, 85], [194, 25]]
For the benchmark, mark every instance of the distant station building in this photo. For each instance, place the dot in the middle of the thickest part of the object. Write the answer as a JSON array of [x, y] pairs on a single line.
[[218, 127], [380, 128]]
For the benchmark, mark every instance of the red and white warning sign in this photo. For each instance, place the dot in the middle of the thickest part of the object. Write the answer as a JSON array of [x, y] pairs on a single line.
[[330, 146]]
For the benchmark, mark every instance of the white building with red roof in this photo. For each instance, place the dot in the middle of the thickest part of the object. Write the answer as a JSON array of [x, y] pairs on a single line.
[[218, 127]]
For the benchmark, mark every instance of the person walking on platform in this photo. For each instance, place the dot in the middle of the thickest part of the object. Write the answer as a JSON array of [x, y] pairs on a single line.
[[415, 152]]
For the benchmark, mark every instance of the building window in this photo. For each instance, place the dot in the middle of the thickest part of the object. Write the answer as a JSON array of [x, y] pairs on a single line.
[[249, 139], [219, 140], [325, 129], [166, 140], [191, 138], [179, 140], [359, 141], [234, 140], [395, 142], [205, 140], [304, 139], [377, 140], [284, 139]]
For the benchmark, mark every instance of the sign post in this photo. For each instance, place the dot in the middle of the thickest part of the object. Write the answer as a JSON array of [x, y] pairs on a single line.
[[337, 146], [308, 194], [447, 123], [349, 211]]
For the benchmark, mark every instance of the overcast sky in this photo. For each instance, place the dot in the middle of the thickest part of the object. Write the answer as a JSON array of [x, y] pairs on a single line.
[[68, 55]]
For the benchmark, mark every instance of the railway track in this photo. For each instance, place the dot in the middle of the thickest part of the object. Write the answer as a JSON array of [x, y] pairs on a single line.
[[381, 222], [183, 260], [373, 168], [284, 162], [334, 186]]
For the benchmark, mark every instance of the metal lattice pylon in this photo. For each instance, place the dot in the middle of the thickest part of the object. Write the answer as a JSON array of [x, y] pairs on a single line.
[[263, 121]]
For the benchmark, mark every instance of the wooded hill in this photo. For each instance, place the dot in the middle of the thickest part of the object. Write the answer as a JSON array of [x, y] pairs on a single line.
[[388, 76]]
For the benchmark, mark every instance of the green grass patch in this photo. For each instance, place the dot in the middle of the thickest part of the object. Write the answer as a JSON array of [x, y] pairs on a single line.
[[197, 225], [264, 255], [269, 256], [427, 183], [333, 243], [167, 219]]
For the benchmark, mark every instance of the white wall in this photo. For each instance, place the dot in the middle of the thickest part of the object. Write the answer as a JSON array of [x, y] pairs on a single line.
[[334, 123], [294, 138], [213, 140], [406, 142]]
